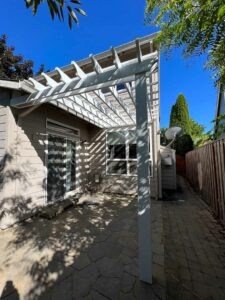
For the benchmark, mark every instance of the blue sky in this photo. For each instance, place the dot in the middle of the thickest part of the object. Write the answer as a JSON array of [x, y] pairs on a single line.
[[109, 23]]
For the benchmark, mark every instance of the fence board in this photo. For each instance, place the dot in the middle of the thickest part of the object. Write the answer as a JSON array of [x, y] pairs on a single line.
[[205, 170]]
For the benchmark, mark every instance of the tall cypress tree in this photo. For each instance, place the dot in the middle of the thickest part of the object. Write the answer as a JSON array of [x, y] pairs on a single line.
[[179, 115]]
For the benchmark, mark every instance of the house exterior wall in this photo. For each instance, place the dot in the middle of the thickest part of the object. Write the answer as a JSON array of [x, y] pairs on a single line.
[[23, 158], [124, 184], [168, 167]]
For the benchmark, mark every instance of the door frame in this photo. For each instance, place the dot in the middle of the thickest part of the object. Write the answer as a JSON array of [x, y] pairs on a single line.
[[77, 157]]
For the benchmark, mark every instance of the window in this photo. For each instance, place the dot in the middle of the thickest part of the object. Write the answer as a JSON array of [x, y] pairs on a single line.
[[121, 153]]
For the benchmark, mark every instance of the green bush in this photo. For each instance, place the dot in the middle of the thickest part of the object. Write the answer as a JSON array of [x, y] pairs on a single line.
[[183, 144]]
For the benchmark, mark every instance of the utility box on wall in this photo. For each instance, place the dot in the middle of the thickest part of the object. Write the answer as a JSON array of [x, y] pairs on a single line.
[[168, 166]]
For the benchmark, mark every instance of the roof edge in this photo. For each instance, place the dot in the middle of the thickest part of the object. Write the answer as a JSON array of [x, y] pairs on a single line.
[[23, 85]]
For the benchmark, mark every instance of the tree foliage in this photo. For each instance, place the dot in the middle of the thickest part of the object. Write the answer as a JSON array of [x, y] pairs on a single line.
[[197, 25], [40, 70], [163, 139], [219, 126], [214, 133], [179, 115], [13, 66], [183, 144], [196, 130], [58, 8]]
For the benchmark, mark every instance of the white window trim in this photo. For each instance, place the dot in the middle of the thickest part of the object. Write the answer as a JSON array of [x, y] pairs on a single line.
[[127, 159]]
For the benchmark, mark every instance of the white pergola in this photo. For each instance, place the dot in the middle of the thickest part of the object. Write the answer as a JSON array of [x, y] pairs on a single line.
[[116, 88]]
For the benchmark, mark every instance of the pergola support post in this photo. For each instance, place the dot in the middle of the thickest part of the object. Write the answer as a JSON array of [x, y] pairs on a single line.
[[144, 217]]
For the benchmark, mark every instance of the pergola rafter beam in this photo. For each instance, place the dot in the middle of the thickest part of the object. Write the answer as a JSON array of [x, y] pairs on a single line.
[[100, 113], [84, 109], [37, 85], [98, 93], [64, 77], [50, 82], [88, 98], [68, 105], [118, 65], [113, 89], [117, 61], [138, 49], [91, 111]]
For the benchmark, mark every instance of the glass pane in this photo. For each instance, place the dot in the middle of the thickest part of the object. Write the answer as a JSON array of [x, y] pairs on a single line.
[[116, 151], [116, 138], [56, 167], [70, 165], [133, 167], [132, 141], [133, 151], [117, 167]]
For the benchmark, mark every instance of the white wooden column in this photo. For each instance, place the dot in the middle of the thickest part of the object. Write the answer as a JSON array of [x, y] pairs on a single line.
[[144, 217]]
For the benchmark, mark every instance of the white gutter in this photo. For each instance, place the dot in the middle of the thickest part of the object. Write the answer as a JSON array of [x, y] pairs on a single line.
[[18, 85]]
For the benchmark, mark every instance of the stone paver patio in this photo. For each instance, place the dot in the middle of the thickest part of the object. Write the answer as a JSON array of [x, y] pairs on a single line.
[[85, 253], [194, 248], [91, 252]]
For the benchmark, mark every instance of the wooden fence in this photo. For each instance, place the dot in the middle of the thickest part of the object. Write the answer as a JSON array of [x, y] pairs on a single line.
[[205, 170]]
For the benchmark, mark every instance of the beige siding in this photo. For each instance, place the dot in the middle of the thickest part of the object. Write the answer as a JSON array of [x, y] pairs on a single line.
[[168, 170], [25, 171]]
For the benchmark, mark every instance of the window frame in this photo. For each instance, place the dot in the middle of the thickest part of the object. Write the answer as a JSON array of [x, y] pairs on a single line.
[[72, 137], [126, 159]]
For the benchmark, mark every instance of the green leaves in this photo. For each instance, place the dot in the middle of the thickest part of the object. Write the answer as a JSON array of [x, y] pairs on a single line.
[[180, 115], [221, 12], [58, 8], [197, 25], [81, 11]]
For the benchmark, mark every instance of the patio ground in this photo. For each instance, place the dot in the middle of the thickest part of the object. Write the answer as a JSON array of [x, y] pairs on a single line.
[[91, 253]]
